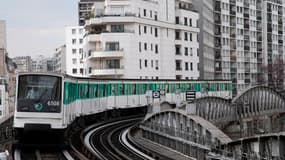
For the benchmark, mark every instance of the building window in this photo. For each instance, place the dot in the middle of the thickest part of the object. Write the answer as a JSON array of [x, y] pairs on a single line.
[[156, 64], [144, 12], [117, 28], [80, 50], [81, 70], [145, 46], [80, 31], [177, 50], [90, 70], [155, 32], [140, 46], [151, 63], [191, 66], [144, 29], [186, 66], [139, 29], [80, 41], [155, 16], [140, 64], [74, 61], [190, 36], [73, 31], [151, 47], [185, 21], [178, 65], [176, 20], [177, 35], [73, 41], [178, 76], [113, 64], [112, 46], [74, 70], [74, 51], [190, 22], [150, 13], [156, 48], [145, 63], [186, 51], [185, 36]]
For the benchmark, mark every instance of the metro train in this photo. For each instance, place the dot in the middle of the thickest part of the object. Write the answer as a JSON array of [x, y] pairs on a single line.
[[53, 101]]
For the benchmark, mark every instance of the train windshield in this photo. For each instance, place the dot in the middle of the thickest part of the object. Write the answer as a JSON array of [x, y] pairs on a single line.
[[39, 93]]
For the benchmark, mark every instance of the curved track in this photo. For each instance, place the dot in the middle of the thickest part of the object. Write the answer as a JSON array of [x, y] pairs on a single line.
[[106, 143], [41, 155]]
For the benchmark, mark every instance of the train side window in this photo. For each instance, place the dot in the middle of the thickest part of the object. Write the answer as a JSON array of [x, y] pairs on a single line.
[[138, 89], [130, 89], [114, 89], [197, 87], [121, 89], [96, 90], [144, 88], [105, 88], [134, 88], [127, 86], [166, 88]]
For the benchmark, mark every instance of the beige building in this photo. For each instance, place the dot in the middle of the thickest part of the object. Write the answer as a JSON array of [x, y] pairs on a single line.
[[3, 52], [2, 63], [3, 43]]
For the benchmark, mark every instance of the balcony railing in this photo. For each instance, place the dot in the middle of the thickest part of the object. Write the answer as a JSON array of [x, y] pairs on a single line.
[[107, 71], [100, 53], [107, 31]]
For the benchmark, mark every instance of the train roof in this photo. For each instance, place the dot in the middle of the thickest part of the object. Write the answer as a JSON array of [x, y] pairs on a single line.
[[116, 79]]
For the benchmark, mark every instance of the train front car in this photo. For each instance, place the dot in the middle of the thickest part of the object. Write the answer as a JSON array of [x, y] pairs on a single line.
[[38, 103]]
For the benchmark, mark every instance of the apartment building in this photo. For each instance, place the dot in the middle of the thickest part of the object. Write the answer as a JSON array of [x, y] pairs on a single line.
[[239, 42], [273, 41], [74, 51], [3, 51], [206, 38], [142, 39], [24, 63], [84, 9], [60, 56]]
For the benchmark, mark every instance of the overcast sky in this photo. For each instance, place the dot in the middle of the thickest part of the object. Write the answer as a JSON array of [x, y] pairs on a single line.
[[36, 27]]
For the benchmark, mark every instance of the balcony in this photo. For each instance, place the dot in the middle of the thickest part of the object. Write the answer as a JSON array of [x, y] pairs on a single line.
[[94, 54], [107, 72], [233, 58], [247, 70], [247, 80], [246, 59], [217, 19]]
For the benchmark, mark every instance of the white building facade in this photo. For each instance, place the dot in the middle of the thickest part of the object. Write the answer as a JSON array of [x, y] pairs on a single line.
[[74, 51], [142, 39], [24, 63]]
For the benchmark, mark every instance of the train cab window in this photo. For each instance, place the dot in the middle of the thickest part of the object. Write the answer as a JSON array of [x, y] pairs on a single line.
[[43, 91]]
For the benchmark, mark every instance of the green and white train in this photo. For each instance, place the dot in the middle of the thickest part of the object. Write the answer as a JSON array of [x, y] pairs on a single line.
[[53, 101]]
